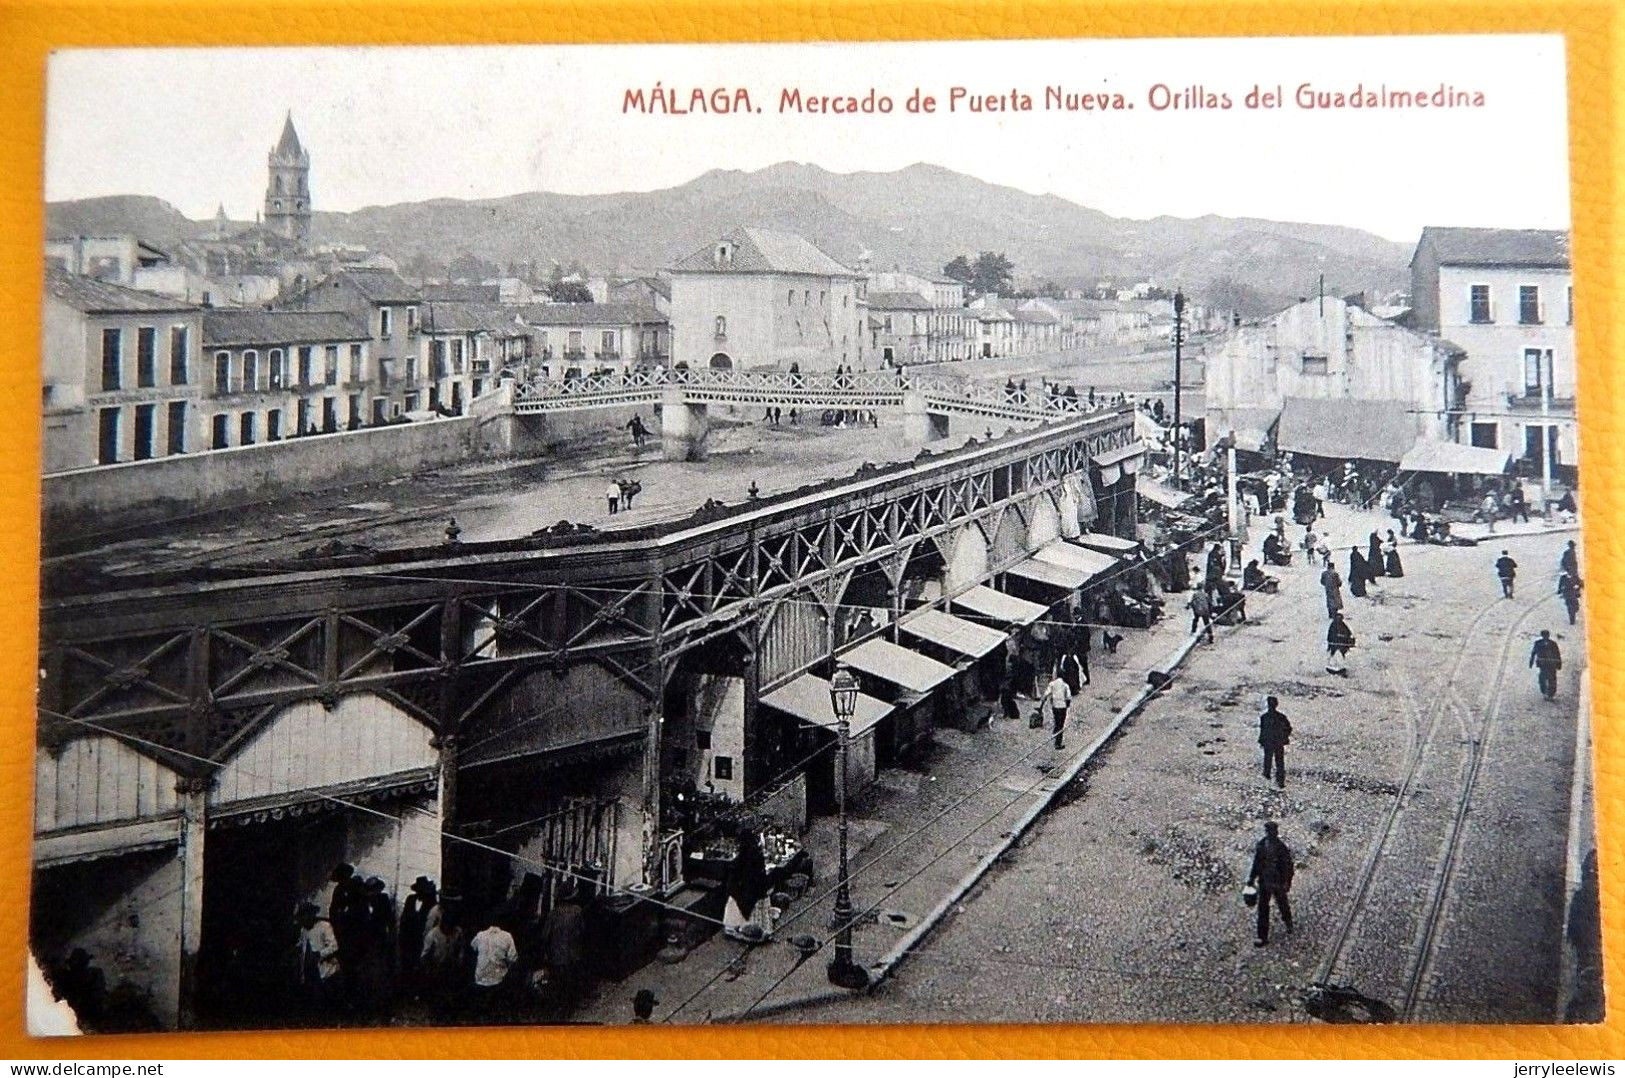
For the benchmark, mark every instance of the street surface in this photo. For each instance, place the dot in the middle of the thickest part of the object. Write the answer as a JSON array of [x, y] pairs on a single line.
[[1429, 885]]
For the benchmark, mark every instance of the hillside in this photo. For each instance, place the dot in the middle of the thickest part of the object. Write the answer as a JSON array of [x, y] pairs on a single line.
[[917, 218]]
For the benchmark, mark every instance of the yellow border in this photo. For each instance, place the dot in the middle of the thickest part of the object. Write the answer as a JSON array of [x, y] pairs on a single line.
[[29, 29]]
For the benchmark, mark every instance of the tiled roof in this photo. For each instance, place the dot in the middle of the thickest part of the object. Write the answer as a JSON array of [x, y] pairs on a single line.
[[379, 285], [1037, 317], [280, 327], [470, 318], [588, 314], [461, 293], [898, 301], [1498, 246], [761, 250], [91, 296]]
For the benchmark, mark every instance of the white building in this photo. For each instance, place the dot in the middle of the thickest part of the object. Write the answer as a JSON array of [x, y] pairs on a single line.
[[759, 298], [1506, 296]]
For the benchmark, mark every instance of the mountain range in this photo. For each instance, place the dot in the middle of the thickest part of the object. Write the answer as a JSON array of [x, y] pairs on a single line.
[[915, 218]]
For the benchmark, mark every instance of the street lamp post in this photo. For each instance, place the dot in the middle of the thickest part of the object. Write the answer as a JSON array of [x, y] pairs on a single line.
[[843, 699], [1179, 340]]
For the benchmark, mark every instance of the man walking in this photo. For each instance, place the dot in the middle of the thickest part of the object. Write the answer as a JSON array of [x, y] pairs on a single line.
[[1059, 695], [1274, 731], [1272, 873], [1570, 562], [1547, 661], [1201, 612], [495, 955], [1506, 569], [1568, 586]]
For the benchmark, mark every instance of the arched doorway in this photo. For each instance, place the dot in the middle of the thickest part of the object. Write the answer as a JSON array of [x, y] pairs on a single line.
[[720, 361]]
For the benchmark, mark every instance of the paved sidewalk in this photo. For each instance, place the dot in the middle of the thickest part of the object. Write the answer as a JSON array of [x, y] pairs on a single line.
[[915, 833]]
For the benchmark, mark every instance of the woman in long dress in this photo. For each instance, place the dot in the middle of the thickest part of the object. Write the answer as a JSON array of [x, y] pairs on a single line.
[[1357, 573], [1373, 558], [1334, 590], [747, 888], [1391, 556]]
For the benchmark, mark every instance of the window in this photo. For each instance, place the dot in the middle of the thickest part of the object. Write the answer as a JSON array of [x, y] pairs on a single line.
[[1314, 364], [806, 297], [378, 405], [177, 427], [411, 371], [330, 415], [245, 426], [411, 319], [107, 436], [886, 324], [330, 370], [276, 368], [146, 357], [606, 342], [306, 358], [437, 359], [574, 344], [385, 321], [145, 430], [1486, 435], [1533, 370], [178, 373], [1479, 303], [355, 410], [790, 297], [722, 326], [221, 432], [112, 359], [302, 418], [457, 356], [222, 372], [846, 301], [251, 371], [355, 364], [823, 298], [1529, 304], [273, 425]]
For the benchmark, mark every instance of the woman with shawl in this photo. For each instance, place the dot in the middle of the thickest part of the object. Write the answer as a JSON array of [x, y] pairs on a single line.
[[747, 886], [1391, 556], [1357, 573], [1373, 558]]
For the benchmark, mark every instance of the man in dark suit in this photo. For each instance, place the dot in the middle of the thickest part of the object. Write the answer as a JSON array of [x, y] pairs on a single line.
[[1274, 731], [1272, 872]]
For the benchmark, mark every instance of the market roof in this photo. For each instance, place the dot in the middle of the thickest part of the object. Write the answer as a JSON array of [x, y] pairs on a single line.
[[1065, 577], [1111, 544], [1453, 458], [898, 301], [807, 698], [1497, 246], [1070, 556], [998, 606], [470, 318], [1343, 428], [92, 296], [956, 634], [761, 250], [589, 314], [280, 327], [898, 665]]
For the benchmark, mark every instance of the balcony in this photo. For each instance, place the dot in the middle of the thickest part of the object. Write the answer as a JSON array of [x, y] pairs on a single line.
[[1528, 398], [575, 355], [607, 356]]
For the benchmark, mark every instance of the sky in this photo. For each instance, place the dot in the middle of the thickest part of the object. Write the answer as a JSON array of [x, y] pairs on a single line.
[[390, 125]]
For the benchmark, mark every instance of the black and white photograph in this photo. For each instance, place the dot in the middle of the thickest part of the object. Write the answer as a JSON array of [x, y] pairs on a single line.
[[1071, 531]]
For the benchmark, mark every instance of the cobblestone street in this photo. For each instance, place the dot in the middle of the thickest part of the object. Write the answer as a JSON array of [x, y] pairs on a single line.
[[1124, 904]]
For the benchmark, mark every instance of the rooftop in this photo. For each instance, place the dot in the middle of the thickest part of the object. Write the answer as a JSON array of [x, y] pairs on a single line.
[[91, 296], [898, 301], [470, 318], [761, 250], [588, 314], [1498, 246], [279, 327]]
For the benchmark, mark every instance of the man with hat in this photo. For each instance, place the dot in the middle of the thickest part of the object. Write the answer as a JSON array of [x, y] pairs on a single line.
[[1272, 873], [419, 913]]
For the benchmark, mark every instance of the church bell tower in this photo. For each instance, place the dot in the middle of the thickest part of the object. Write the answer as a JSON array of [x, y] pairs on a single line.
[[287, 190]]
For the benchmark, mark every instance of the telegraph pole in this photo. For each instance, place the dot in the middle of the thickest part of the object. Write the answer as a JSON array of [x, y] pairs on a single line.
[[1179, 339]]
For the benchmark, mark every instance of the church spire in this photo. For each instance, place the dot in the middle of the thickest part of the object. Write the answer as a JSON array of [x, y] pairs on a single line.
[[287, 146]]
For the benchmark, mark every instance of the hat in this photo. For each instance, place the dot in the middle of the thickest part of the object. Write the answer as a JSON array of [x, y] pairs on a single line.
[[422, 885], [1271, 827]]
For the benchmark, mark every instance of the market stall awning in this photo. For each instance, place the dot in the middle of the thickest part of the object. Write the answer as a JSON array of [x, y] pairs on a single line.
[[51, 850], [956, 634], [1160, 493], [1146, 428], [999, 606], [1110, 544], [1253, 426], [1065, 577], [1453, 458], [1342, 428], [1115, 463], [807, 698], [1069, 556], [898, 665]]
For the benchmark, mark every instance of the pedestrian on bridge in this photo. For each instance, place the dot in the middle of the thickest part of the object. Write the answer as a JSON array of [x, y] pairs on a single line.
[[1507, 570], [1272, 875], [1274, 731], [1009, 391], [1547, 660]]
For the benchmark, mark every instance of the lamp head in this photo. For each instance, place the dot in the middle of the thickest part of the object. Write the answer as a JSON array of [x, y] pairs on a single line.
[[843, 692]]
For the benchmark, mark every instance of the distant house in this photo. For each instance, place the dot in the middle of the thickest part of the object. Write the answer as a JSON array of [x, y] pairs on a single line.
[[1506, 296], [900, 326], [271, 375], [1340, 382], [388, 306], [469, 344], [574, 339], [949, 334], [121, 373], [104, 258], [760, 298]]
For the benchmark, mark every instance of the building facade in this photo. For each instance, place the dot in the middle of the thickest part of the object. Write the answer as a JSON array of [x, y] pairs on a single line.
[[759, 298], [570, 340], [469, 344], [1507, 298], [121, 373], [284, 374], [389, 308]]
